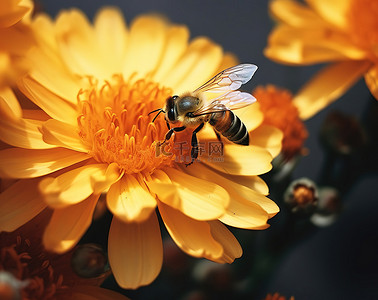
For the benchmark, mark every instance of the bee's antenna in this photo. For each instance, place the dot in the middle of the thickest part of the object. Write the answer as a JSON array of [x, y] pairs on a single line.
[[160, 110]]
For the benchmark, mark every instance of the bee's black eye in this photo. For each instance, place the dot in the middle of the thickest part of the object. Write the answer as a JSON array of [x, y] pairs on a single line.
[[171, 111]]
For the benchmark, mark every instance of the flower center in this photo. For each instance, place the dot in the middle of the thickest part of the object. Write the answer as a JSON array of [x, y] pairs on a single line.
[[115, 125], [363, 22], [279, 111]]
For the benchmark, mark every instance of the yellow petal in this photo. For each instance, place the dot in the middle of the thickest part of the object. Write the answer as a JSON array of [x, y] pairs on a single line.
[[26, 163], [20, 203], [145, 45], [176, 44], [55, 106], [67, 225], [63, 135], [197, 65], [11, 12], [89, 292], [192, 236], [129, 200], [76, 185], [111, 35], [328, 85], [334, 12], [9, 104], [251, 116], [371, 79], [310, 45], [267, 137], [230, 245], [75, 37], [241, 212], [197, 198], [253, 182], [293, 13], [22, 133], [240, 160], [135, 252]]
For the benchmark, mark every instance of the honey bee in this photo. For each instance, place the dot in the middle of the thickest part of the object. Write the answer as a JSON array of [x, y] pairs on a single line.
[[191, 110]]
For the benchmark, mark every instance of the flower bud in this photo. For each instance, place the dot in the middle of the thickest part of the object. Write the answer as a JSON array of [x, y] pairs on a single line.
[[342, 134], [301, 196], [89, 261]]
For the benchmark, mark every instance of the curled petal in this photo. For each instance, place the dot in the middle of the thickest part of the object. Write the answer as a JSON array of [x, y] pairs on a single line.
[[129, 200], [197, 198], [76, 185]]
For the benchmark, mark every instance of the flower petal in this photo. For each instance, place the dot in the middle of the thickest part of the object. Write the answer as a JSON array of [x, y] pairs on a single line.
[[55, 106], [240, 160], [20, 203], [192, 236], [22, 133], [63, 135], [175, 46], [335, 11], [76, 40], [253, 182], [197, 65], [328, 85], [76, 185], [9, 104], [242, 212], [231, 246], [371, 79], [67, 225], [145, 46], [89, 292], [26, 163], [310, 45], [111, 34], [197, 198], [293, 13], [11, 12], [267, 137], [135, 251], [129, 200]]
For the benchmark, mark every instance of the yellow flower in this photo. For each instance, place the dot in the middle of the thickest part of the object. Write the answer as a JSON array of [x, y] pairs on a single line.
[[15, 38], [29, 272], [90, 133], [278, 109], [343, 33]]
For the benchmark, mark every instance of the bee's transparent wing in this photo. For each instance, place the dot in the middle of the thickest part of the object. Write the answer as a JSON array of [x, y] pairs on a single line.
[[229, 101], [228, 80]]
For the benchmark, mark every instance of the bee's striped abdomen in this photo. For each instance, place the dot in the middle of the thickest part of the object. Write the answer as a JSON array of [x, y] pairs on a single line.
[[229, 125]]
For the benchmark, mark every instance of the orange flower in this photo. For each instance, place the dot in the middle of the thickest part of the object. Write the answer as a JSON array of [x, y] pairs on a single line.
[[15, 38], [279, 111], [276, 296], [30, 272], [90, 133], [343, 33]]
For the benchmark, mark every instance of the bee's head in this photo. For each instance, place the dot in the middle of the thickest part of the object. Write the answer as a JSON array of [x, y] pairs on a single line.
[[171, 110]]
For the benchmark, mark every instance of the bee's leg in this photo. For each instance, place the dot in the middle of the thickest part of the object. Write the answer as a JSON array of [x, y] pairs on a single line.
[[169, 127], [168, 135], [195, 148]]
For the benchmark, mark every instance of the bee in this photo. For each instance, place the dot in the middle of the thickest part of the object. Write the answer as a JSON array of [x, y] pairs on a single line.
[[191, 110]]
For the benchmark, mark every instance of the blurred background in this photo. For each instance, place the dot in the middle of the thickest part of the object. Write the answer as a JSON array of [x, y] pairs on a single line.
[[338, 261]]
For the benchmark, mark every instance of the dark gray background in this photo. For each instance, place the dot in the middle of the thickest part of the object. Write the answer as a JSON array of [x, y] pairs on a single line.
[[338, 262]]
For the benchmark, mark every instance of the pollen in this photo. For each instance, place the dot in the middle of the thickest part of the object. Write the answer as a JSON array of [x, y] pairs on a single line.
[[114, 123], [363, 25], [279, 111]]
